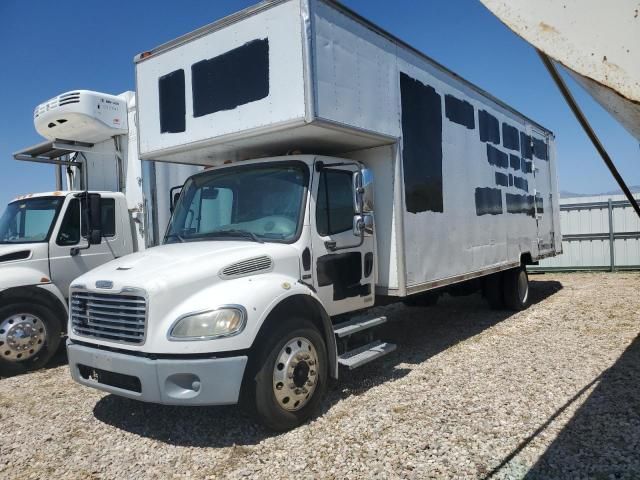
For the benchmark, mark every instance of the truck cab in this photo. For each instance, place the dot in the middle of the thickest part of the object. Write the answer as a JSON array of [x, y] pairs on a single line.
[[254, 251], [46, 241]]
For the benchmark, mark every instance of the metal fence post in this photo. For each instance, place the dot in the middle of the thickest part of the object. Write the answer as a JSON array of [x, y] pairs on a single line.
[[612, 257]]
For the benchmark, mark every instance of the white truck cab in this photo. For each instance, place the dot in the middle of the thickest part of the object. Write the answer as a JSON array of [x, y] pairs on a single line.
[[179, 322], [48, 239], [274, 255], [44, 245]]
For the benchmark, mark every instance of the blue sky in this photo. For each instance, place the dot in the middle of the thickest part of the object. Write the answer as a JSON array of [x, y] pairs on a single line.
[[51, 47]]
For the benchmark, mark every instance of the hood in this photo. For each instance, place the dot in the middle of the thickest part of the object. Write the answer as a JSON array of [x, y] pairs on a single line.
[[180, 265]]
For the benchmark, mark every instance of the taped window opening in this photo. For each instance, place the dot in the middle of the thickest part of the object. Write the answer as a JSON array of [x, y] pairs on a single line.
[[171, 102], [489, 127], [488, 201], [235, 78], [510, 137], [459, 111], [421, 146]]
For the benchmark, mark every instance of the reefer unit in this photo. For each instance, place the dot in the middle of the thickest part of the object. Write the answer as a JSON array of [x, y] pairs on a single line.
[[465, 184]]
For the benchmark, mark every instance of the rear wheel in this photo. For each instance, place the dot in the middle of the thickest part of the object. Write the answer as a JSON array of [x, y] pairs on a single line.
[[516, 289], [290, 376], [492, 290], [29, 337]]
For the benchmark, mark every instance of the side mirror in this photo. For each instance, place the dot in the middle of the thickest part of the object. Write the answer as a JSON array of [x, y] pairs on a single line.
[[92, 216], [174, 195], [363, 191], [363, 224]]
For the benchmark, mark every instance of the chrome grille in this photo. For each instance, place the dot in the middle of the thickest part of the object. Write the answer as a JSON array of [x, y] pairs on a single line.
[[112, 317], [246, 267]]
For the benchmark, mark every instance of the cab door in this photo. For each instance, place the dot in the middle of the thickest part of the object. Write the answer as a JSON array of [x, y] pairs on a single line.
[[343, 263], [68, 256]]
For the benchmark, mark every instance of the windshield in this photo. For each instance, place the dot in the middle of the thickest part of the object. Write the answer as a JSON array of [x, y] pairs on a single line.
[[252, 202], [29, 220]]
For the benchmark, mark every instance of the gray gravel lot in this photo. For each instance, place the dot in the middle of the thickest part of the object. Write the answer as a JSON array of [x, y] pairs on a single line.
[[551, 392]]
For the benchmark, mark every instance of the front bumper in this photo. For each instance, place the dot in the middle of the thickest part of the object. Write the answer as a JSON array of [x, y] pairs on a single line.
[[211, 381]]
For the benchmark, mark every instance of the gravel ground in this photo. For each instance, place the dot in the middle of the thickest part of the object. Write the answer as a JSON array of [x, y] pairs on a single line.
[[551, 392]]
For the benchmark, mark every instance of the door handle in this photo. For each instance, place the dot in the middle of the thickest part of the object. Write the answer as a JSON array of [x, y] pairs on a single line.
[[331, 245]]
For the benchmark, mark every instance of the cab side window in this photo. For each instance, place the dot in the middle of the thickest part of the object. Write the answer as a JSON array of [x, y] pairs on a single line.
[[334, 206], [108, 213], [69, 233], [72, 228]]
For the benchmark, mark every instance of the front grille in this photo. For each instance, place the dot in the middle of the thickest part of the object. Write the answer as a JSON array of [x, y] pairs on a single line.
[[119, 318]]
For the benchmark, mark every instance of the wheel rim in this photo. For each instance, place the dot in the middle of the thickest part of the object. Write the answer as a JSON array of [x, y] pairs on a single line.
[[295, 374], [21, 337], [523, 286]]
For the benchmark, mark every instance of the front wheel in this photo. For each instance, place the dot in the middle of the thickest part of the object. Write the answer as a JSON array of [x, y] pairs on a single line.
[[291, 376], [29, 337]]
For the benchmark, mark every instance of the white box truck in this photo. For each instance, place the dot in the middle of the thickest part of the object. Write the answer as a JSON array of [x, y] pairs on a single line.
[[347, 169], [48, 239]]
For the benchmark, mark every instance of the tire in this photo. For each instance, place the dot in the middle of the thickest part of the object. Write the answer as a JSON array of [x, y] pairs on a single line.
[[29, 336], [516, 289], [273, 403], [492, 290], [426, 299]]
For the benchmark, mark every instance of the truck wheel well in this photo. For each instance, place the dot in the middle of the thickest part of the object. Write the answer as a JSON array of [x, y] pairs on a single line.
[[310, 308], [33, 294]]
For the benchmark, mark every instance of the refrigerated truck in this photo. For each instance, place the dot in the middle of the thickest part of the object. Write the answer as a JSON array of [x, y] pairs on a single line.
[[45, 238], [347, 170]]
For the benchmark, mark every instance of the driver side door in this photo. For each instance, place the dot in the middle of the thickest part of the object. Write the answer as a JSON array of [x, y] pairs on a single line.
[[343, 266], [70, 234]]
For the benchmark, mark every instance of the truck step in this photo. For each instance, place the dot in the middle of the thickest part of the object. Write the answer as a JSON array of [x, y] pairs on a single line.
[[350, 327], [365, 354]]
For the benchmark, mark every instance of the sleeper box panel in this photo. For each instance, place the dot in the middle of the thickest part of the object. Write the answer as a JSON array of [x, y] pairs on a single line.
[[244, 76]]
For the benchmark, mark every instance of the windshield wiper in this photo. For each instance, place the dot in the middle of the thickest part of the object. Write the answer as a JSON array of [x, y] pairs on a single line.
[[174, 235], [236, 233]]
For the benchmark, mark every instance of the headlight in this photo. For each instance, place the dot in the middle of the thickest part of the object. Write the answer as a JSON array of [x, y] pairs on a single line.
[[222, 322]]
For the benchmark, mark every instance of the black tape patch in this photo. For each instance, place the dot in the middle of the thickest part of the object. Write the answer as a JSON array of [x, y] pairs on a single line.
[[489, 127], [510, 137], [540, 149], [520, 204], [234, 78], [539, 204], [171, 101], [344, 272], [488, 201], [421, 146], [527, 167], [521, 183], [502, 179], [514, 161], [525, 146], [459, 111], [497, 157]]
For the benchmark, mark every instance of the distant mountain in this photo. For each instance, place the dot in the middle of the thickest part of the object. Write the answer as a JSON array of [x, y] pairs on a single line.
[[566, 194]]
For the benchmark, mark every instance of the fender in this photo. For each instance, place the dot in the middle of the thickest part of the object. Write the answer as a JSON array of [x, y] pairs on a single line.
[[47, 294], [304, 293], [21, 276]]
